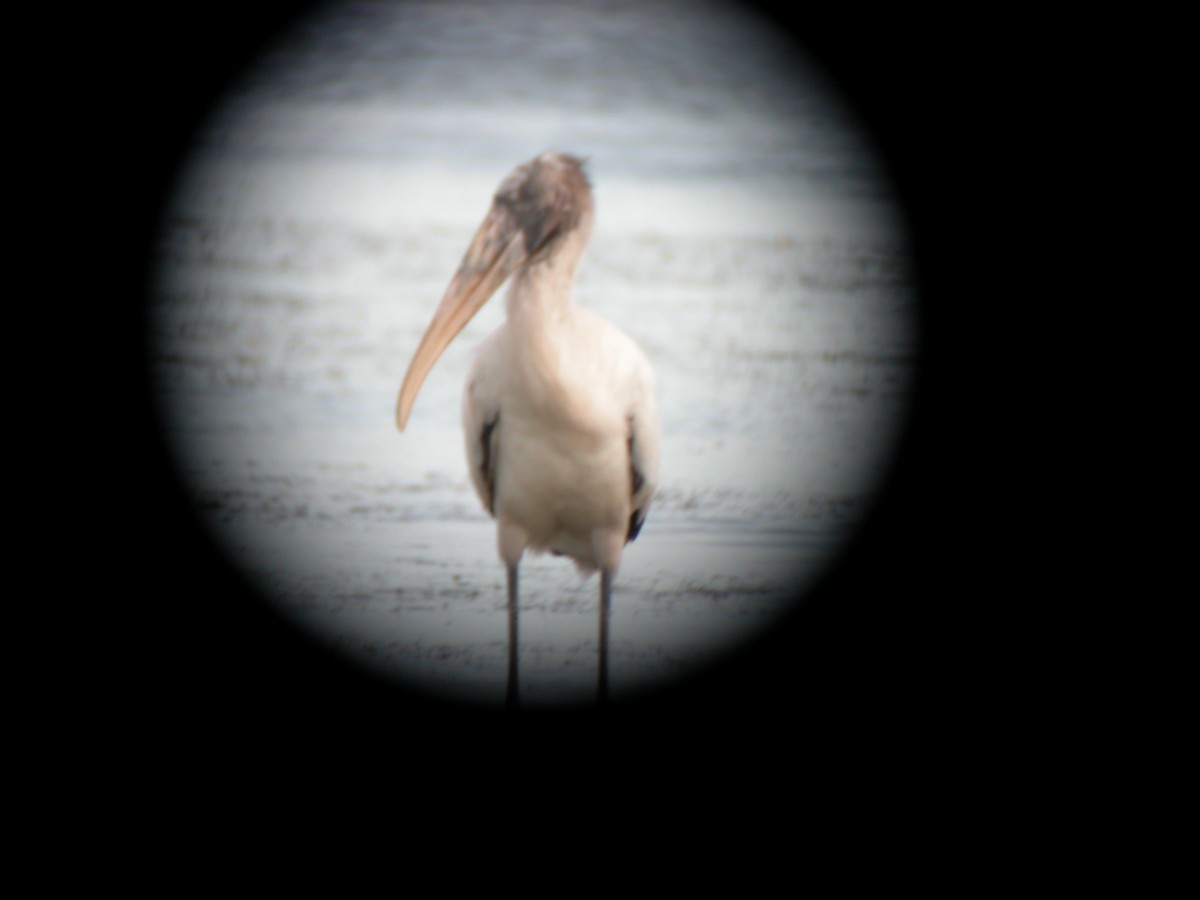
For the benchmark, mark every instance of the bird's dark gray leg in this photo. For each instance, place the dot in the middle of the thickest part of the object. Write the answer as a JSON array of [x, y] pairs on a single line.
[[510, 697], [605, 609]]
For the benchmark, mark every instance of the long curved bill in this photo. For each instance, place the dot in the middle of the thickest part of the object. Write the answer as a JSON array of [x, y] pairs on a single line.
[[497, 248]]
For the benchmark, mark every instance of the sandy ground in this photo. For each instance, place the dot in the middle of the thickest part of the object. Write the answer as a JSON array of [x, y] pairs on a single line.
[[279, 386]]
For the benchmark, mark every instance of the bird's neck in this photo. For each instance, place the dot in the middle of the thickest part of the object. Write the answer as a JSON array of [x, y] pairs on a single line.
[[539, 325], [540, 295]]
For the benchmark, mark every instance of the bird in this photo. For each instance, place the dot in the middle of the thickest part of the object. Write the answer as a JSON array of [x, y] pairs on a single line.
[[560, 415]]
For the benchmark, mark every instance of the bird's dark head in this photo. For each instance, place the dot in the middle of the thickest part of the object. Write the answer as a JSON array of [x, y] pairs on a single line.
[[547, 198], [541, 216]]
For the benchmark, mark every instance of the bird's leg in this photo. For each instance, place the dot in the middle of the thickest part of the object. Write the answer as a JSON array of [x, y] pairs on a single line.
[[510, 697], [605, 609]]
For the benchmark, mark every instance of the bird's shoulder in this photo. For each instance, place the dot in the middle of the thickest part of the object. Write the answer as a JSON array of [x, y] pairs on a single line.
[[611, 345]]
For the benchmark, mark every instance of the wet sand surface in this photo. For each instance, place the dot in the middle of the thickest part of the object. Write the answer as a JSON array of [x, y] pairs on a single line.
[[280, 386]]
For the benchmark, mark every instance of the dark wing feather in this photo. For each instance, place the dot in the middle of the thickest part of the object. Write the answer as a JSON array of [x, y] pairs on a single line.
[[487, 439], [636, 480]]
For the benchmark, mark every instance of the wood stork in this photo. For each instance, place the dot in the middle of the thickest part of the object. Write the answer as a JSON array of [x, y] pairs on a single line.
[[559, 412]]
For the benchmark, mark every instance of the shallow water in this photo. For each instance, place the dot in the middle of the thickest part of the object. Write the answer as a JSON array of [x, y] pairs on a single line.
[[317, 227]]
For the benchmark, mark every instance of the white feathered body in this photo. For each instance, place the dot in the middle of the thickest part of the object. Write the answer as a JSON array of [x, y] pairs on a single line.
[[566, 402]]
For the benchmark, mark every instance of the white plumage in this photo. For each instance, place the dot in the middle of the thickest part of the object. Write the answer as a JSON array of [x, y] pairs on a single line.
[[559, 413]]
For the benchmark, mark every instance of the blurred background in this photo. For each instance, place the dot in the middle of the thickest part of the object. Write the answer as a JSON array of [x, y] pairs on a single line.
[[747, 237], [235, 651]]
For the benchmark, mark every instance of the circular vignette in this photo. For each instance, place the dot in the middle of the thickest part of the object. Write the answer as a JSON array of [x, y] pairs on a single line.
[[316, 221]]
